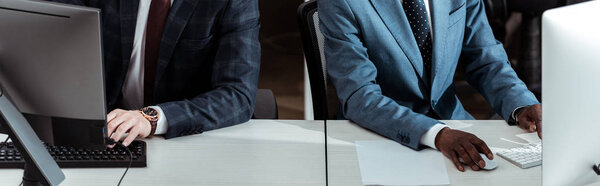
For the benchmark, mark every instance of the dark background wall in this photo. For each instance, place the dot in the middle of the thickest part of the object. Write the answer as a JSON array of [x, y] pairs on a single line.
[[282, 65]]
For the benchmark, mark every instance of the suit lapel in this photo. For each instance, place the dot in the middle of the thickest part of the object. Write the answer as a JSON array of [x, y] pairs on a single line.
[[439, 16], [179, 15], [392, 14], [128, 14]]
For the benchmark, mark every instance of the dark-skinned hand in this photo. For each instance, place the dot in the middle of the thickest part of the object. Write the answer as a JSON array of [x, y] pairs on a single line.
[[530, 119], [456, 144]]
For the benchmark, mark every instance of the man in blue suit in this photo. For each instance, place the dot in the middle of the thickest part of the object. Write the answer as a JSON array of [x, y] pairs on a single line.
[[392, 63], [178, 67]]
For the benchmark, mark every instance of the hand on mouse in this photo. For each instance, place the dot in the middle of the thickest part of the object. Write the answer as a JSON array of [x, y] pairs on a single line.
[[530, 119], [456, 144], [125, 121]]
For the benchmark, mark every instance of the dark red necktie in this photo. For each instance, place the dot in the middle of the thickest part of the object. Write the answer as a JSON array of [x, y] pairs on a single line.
[[157, 18]]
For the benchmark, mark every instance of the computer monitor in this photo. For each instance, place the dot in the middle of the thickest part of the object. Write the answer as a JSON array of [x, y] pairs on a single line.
[[39, 168], [51, 67], [571, 94]]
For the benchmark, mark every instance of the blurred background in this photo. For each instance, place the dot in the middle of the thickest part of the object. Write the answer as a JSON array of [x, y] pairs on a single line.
[[282, 65], [516, 23]]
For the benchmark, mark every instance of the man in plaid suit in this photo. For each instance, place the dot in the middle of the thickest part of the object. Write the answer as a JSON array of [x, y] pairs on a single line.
[[178, 67]]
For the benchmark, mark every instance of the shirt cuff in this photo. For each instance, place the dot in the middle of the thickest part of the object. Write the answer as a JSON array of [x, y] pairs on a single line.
[[428, 138], [512, 114], [161, 124]]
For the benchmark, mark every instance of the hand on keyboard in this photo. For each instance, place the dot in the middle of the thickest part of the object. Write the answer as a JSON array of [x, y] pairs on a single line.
[[530, 119]]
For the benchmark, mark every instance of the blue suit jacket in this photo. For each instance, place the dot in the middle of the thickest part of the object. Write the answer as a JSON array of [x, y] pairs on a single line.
[[375, 65], [208, 66]]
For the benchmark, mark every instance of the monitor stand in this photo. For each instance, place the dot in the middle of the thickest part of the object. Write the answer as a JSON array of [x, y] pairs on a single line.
[[40, 168], [31, 174]]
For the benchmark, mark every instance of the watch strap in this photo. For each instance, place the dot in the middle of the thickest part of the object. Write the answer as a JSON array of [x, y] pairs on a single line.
[[152, 116], [152, 127]]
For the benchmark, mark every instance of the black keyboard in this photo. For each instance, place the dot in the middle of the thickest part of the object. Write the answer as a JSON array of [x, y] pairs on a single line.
[[69, 157]]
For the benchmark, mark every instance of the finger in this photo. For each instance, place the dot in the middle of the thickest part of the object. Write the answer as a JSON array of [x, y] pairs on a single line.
[[525, 124], [457, 164], [474, 154], [133, 133], [113, 114], [123, 128], [464, 155], [114, 124], [482, 147], [532, 127], [537, 114]]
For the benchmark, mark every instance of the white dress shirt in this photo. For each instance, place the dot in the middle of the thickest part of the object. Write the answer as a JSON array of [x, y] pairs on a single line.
[[133, 87]]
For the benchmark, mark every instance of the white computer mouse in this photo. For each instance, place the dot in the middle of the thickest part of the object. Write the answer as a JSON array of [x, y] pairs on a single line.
[[489, 164]]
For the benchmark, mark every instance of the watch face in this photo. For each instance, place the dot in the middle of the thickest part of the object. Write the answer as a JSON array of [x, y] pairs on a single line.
[[150, 111]]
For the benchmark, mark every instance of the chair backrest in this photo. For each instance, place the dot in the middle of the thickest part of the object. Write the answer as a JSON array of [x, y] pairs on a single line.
[[325, 101]]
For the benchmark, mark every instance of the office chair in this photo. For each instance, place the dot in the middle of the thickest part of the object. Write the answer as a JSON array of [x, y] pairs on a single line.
[[266, 105], [324, 98]]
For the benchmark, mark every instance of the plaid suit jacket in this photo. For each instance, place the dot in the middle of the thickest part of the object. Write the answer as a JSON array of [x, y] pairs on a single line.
[[208, 65]]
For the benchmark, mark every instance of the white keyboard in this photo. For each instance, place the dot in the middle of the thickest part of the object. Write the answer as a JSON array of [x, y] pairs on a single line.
[[526, 156]]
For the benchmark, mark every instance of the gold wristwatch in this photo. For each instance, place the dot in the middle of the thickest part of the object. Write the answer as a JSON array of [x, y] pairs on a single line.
[[152, 116]]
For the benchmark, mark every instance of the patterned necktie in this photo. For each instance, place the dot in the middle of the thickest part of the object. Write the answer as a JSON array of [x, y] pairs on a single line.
[[157, 18], [416, 13]]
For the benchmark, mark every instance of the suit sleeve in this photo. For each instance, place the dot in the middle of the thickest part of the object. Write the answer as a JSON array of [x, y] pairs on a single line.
[[488, 68], [234, 77], [354, 77]]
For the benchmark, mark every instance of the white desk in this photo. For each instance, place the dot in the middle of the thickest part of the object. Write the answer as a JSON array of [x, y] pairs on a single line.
[[260, 152], [344, 169]]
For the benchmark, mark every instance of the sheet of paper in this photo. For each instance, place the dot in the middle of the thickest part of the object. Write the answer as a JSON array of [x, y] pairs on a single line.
[[456, 124], [385, 162], [530, 137]]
